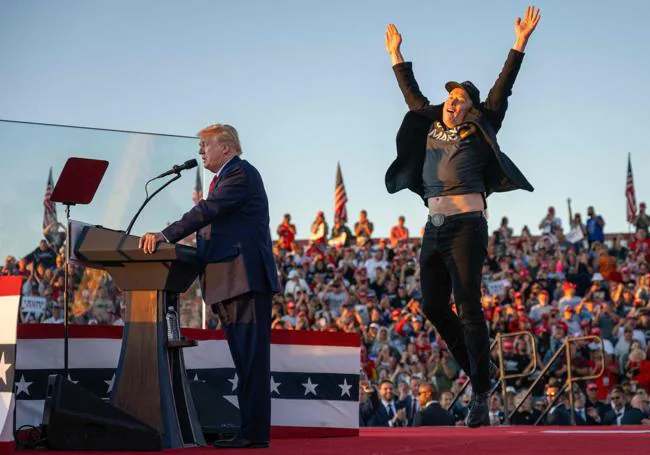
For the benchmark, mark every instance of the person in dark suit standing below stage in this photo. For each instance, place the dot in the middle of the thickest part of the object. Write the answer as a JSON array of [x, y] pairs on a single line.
[[381, 409], [448, 154], [431, 413], [560, 415], [240, 275]]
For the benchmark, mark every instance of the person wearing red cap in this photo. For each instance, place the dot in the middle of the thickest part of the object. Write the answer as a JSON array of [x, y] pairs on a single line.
[[593, 402], [448, 154], [319, 230], [569, 297], [286, 233]]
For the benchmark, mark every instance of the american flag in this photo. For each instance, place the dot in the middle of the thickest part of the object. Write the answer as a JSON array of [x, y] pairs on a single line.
[[340, 197], [49, 214], [629, 192], [314, 375], [198, 188]]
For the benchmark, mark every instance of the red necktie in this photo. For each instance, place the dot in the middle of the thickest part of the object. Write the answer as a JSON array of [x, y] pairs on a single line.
[[214, 180]]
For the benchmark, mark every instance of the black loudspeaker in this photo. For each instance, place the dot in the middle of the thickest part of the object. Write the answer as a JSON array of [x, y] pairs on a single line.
[[217, 416], [77, 419]]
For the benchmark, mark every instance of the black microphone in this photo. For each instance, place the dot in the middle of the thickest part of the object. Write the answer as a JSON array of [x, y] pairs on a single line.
[[176, 169]]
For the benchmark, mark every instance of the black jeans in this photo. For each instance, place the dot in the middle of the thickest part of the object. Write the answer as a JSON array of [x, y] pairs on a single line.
[[451, 259]]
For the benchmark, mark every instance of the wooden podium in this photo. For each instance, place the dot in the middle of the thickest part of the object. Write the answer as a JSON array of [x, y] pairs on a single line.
[[150, 380]]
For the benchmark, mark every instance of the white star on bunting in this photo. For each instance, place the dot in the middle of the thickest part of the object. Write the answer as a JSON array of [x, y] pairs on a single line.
[[22, 386], [4, 367], [110, 384], [309, 387], [232, 399], [345, 387], [234, 381], [275, 385]]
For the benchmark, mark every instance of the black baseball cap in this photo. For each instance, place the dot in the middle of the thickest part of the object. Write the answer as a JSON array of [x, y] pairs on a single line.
[[469, 87]]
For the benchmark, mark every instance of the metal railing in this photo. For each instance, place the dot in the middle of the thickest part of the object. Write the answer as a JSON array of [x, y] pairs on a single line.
[[565, 348], [498, 343], [527, 371]]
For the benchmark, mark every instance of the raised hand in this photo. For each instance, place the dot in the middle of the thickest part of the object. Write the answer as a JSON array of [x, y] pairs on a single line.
[[393, 43], [393, 39], [525, 27]]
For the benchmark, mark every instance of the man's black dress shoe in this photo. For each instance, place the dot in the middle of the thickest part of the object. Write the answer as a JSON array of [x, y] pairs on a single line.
[[479, 412], [240, 443]]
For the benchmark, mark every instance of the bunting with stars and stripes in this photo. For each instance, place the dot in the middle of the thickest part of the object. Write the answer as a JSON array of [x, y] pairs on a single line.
[[314, 375], [10, 288]]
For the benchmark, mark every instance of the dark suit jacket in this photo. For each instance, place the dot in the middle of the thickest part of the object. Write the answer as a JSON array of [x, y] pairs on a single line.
[[433, 415], [561, 415], [631, 416], [234, 240], [410, 403], [373, 412], [525, 417], [406, 170]]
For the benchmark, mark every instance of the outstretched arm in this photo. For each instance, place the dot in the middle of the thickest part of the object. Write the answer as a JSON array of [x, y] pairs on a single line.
[[403, 71], [496, 103], [225, 198]]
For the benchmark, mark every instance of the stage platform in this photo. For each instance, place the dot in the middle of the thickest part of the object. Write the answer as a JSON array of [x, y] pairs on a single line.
[[628, 440]]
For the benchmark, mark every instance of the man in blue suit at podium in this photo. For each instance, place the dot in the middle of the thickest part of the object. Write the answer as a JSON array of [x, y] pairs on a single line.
[[240, 275]]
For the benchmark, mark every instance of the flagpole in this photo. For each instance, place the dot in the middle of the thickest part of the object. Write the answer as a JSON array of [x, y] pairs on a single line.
[[630, 196]]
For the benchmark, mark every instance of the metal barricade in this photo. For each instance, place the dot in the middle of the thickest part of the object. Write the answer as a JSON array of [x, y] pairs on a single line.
[[527, 371], [565, 349], [498, 343]]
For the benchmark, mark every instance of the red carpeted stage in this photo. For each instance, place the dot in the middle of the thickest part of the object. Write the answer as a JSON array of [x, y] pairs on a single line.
[[628, 440]]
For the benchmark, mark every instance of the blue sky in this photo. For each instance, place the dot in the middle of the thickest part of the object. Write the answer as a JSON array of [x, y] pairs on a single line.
[[308, 84]]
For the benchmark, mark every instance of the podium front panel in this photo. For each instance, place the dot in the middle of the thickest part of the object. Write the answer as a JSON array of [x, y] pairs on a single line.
[[137, 389]]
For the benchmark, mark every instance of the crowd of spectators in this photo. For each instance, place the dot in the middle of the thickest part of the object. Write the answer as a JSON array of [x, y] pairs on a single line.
[[558, 282]]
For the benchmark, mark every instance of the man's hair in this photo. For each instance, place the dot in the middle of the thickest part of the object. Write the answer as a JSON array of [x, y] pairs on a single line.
[[226, 133], [386, 381], [617, 388], [432, 389]]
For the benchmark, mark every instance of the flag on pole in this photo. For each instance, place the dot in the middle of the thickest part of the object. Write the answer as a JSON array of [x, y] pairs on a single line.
[[340, 197], [49, 214], [629, 192], [198, 187]]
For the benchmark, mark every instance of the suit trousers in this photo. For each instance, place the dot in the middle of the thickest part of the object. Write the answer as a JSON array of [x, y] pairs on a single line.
[[247, 323], [451, 259]]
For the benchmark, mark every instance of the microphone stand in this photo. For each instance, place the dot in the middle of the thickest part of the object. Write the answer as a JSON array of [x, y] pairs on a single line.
[[66, 290], [146, 201]]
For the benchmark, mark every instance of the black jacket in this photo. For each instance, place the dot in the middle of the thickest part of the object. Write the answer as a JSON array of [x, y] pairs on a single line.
[[433, 415], [373, 412], [631, 416], [561, 416], [406, 171]]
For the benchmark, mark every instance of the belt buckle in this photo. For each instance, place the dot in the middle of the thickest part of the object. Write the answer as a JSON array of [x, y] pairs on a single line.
[[438, 219]]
